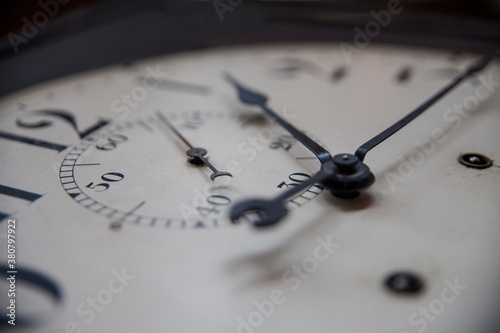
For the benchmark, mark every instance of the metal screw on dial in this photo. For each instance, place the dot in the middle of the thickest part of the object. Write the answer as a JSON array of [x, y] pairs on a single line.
[[475, 161], [404, 282]]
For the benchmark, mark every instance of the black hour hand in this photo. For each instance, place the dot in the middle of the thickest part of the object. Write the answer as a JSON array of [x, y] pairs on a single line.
[[252, 98]]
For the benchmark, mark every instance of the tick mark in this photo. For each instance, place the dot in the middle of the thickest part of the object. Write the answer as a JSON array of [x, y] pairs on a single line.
[[289, 67], [32, 141], [87, 164], [20, 194], [258, 120], [144, 125], [404, 75], [180, 86], [339, 74], [130, 212], [117, 225]]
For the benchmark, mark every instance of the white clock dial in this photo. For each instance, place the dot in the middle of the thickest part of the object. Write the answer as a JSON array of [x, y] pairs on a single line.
[[135, 237]]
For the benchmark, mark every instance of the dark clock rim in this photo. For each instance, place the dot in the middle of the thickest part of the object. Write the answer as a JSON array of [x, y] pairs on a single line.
[[100, 35]]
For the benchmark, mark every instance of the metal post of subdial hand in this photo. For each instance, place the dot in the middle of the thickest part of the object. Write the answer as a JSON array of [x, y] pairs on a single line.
[[196, 153], [344, 174]]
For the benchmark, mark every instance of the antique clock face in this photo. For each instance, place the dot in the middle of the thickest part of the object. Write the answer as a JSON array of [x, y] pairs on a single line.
[[118, 229]]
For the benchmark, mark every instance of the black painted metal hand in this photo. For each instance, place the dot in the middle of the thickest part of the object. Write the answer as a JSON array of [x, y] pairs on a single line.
[[253, 98], [198, 154], [344, 174], [379, 138]]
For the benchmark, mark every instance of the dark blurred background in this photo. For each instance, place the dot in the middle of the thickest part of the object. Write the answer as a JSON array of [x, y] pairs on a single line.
[[86, 34]]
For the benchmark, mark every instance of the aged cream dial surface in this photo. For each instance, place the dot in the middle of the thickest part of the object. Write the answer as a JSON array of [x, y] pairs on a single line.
[[135, 237]]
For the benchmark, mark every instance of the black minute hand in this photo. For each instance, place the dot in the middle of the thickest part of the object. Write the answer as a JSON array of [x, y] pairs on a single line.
[[379, 138], [253, 98]]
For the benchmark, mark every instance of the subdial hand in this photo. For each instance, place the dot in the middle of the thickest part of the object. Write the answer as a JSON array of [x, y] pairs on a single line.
[[196, 153]]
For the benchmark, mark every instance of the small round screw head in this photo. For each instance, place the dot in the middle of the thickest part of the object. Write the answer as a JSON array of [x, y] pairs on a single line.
[[475, 161], [404, 282]]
